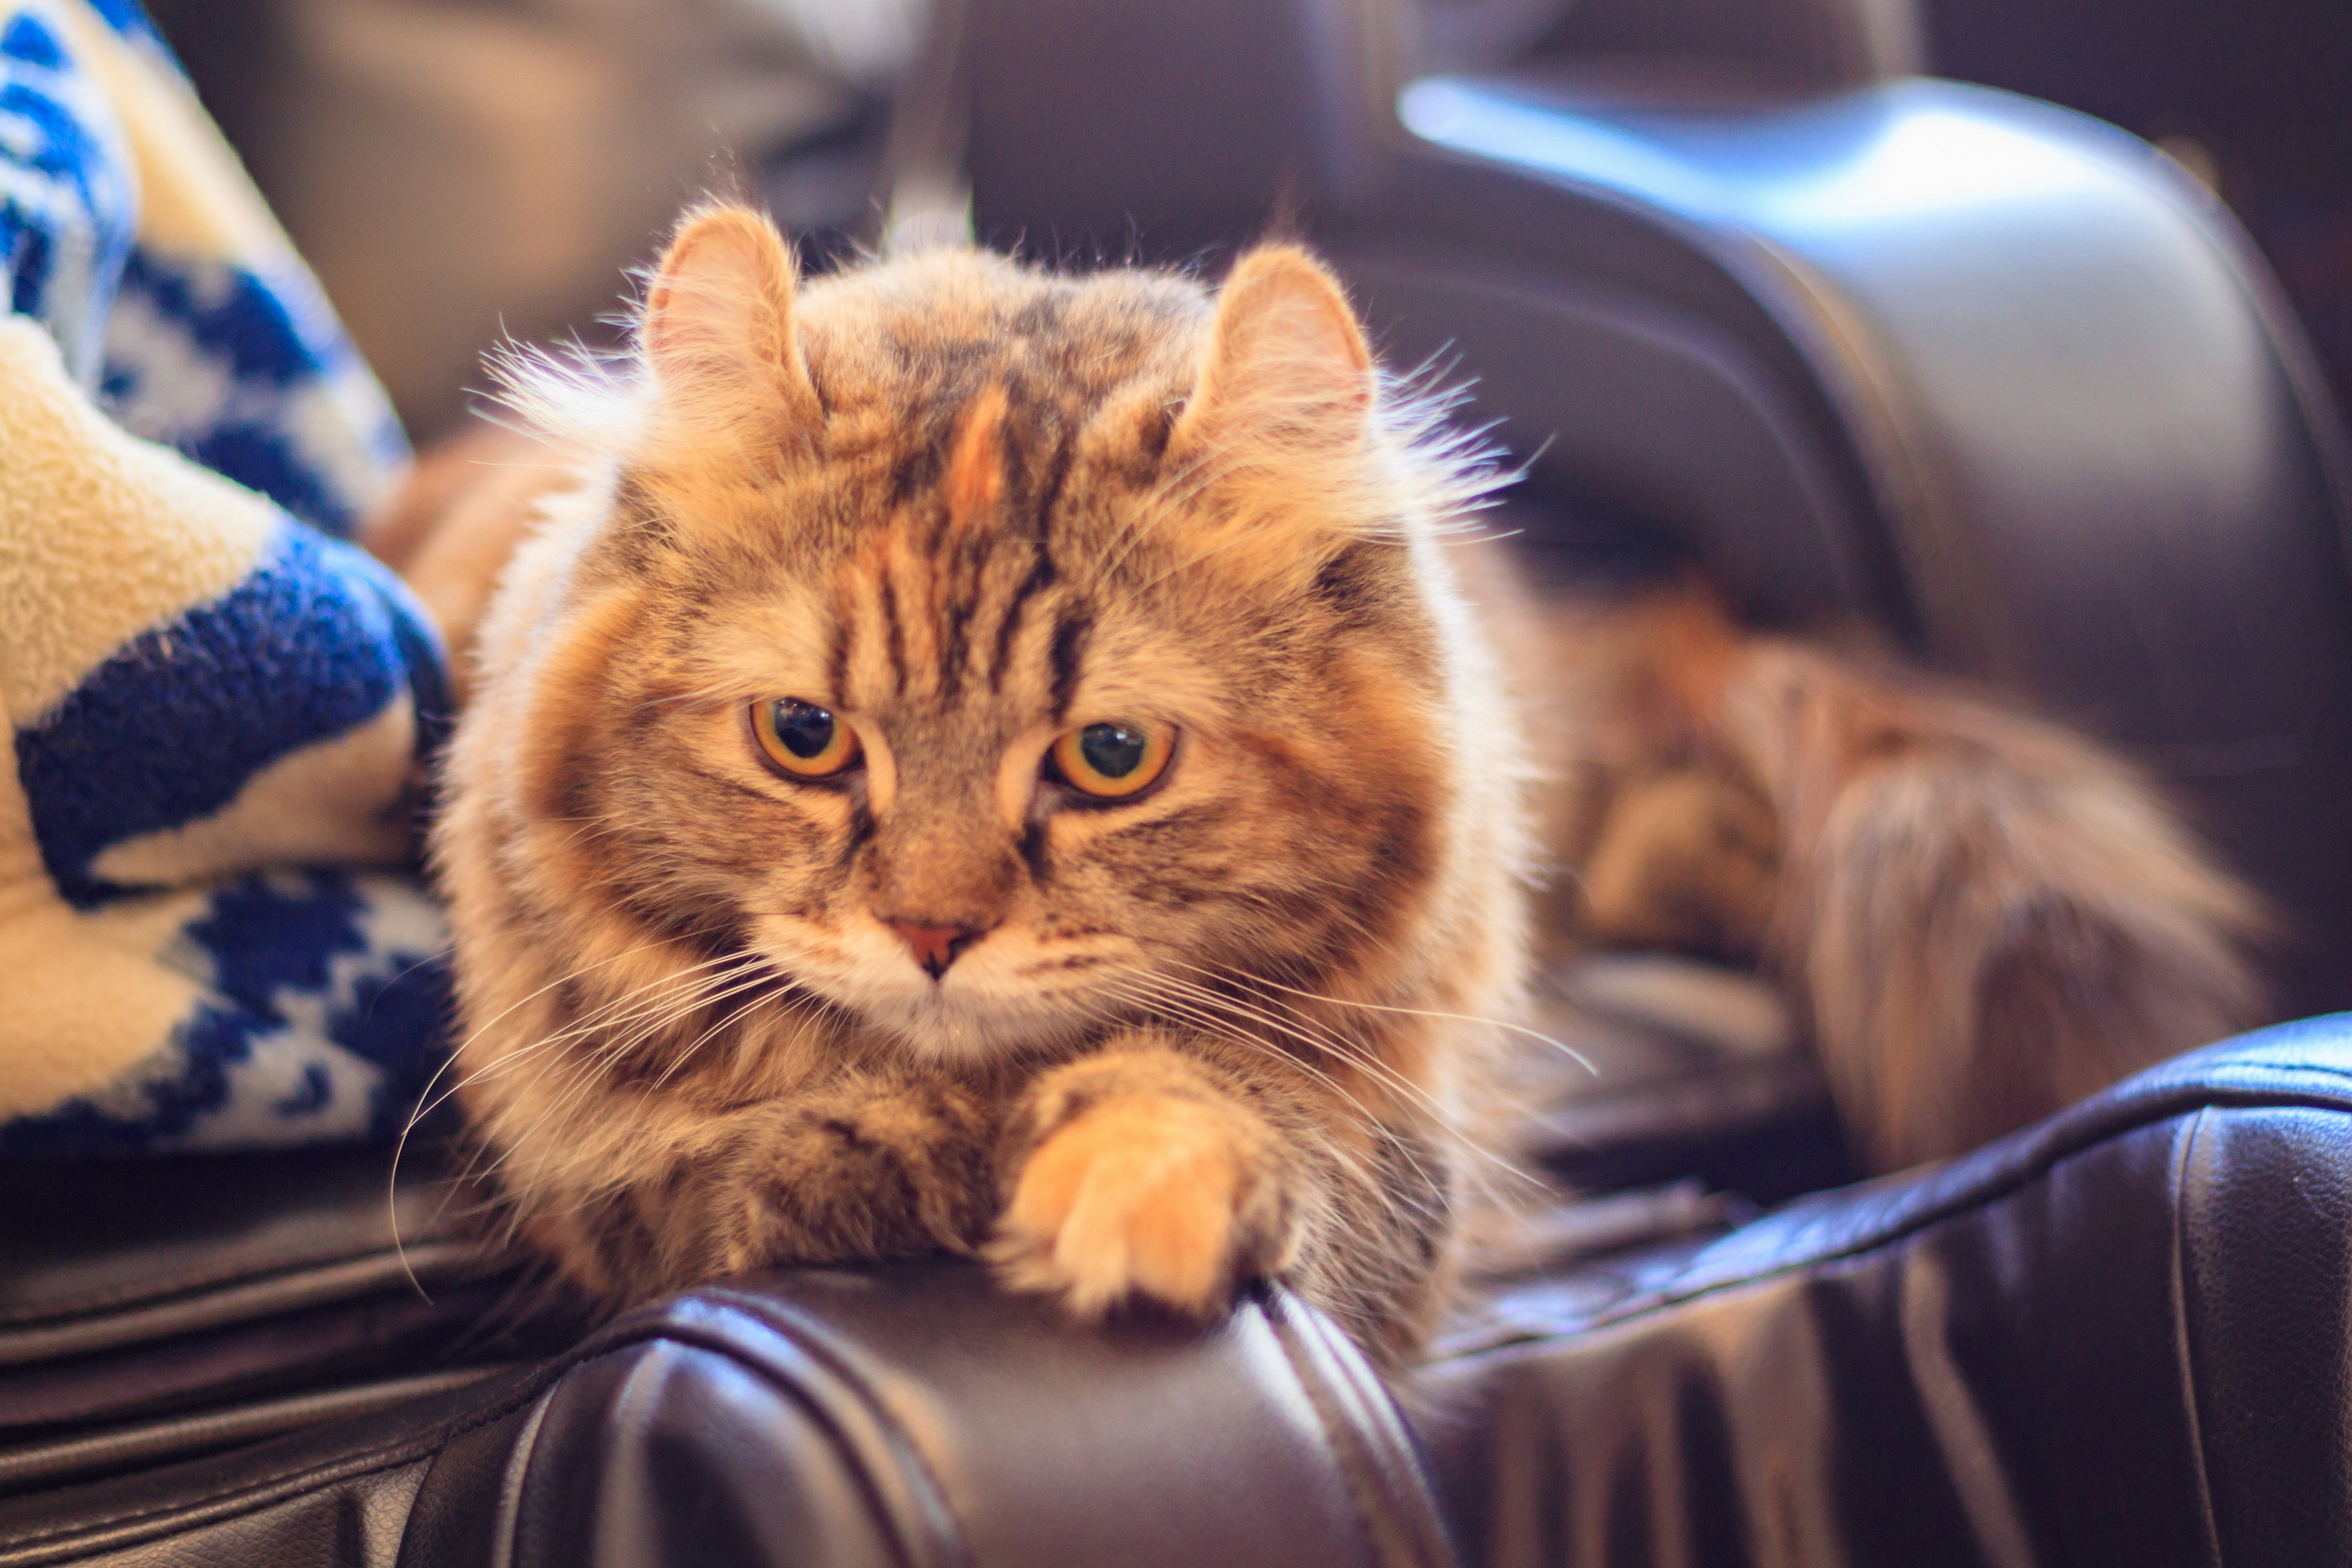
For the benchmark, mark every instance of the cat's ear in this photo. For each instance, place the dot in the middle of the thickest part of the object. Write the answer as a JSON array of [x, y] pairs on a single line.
[[1285, 367], [719, 337]]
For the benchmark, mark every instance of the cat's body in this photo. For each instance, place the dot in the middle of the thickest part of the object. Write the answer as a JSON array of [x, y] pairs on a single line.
[[796, 920], [1212, 1029]]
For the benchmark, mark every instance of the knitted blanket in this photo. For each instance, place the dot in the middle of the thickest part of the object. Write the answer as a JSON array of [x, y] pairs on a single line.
[[218, 707]]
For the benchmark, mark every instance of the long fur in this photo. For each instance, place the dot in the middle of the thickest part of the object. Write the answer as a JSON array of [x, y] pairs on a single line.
[[1984, 916], [1237, 1025], [1230, 1029]]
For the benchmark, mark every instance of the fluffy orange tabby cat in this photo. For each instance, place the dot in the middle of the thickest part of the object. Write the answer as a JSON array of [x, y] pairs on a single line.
[[967, 758]]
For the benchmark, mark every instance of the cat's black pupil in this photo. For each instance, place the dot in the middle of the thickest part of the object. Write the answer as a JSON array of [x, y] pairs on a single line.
[[805, 729], [1113, 751]]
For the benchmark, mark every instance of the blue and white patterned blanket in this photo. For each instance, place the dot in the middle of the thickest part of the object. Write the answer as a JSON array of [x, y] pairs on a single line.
[[218, 706]]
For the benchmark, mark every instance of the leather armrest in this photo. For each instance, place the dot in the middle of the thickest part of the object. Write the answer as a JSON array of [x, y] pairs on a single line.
[[906, 1415], [916, 1413], [199, 1355]]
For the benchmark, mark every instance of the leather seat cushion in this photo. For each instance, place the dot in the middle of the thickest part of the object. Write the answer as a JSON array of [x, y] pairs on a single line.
[[2117, 1337]]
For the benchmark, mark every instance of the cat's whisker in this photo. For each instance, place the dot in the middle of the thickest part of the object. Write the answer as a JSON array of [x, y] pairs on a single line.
[[1488, 1162], [601, 1057], [1366, 1176], [1209, 1023], [1358, 1055], [584, 1068], [1538, 1038], [1364, 1059], [1363, 1052], [720, 991], [603, 1018], [427, 1102], [1204, 1008], [599, 1017], [687, 1052]]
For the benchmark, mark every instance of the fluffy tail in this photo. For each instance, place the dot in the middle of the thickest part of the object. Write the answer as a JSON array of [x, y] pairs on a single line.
[[1987, 917]]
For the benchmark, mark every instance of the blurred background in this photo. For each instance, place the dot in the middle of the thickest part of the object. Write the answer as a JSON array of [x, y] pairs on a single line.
[[460, 170], [457, 170]]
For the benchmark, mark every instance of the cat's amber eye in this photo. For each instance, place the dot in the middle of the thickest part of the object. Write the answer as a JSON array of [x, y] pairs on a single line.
[[804, 740], [1109, 762]]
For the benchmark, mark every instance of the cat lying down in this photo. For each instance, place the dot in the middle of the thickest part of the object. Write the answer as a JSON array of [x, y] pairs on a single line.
[[965, 758]]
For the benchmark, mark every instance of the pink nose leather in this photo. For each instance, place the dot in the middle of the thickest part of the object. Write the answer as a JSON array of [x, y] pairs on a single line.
[[935, 947]]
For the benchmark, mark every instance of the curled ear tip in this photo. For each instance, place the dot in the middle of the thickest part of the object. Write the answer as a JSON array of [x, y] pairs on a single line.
[[717, 326]]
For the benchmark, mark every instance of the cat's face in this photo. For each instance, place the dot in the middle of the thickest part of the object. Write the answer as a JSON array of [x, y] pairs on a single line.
[[996, 656]]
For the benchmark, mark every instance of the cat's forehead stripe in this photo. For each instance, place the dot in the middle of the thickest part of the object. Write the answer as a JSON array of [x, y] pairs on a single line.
[[975, 469]]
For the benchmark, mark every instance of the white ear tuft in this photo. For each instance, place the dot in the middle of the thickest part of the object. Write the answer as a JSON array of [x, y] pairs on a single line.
[[719, 338]]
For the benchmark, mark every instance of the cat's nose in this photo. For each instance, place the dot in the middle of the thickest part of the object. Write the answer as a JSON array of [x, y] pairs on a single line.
[[935, 946]]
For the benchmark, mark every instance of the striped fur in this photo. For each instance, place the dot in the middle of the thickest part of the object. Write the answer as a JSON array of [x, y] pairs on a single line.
[[1236, 1025], [1224, 1029]]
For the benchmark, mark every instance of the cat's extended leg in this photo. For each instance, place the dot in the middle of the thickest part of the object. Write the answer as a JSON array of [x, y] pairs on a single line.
[[863, 1165], [1986, 917], [1140, 1170], [1146, 1170]]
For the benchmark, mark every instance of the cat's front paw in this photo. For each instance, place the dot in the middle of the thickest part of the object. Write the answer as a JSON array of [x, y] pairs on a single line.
[[1171, 1198]]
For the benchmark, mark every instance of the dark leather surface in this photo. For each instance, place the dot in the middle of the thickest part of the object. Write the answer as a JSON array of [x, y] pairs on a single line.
[[2115, 1338], [1814, 45], [910, 1415], [1105, 129], [137, 1293], [198, 1353]]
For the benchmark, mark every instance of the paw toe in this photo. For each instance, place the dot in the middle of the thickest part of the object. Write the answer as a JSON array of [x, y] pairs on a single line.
[[1130, 1199]]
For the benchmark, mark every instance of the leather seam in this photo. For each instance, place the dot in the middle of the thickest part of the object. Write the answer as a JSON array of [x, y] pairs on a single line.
[[510, 1484], [2184, 1335], [781, 1318], [1380, 1532], [236, 1503], [227, 1304], [1372, 1458], [189, 1282], [192, 1512], [2007, 1185]]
